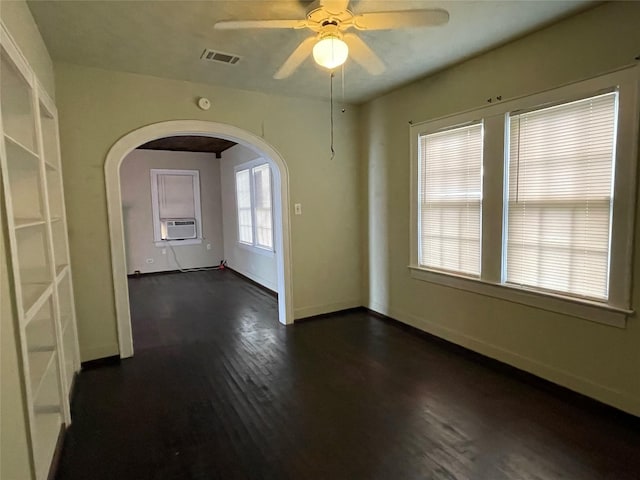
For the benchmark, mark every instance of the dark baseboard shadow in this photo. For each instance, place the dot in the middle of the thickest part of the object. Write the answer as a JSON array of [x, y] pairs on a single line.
[[235, 272]]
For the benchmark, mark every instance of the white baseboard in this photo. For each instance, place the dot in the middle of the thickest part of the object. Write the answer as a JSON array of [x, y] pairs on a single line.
[[602, 393], [99, 351], [304, 312], [255, 278]]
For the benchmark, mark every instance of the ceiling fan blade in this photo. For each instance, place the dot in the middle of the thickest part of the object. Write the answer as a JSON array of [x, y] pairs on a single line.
[[400, 19], [361, 53], [244, 24], [334, 6], [298, 56]]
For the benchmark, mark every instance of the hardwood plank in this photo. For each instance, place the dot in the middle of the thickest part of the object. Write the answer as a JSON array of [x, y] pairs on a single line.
[[218, 389]]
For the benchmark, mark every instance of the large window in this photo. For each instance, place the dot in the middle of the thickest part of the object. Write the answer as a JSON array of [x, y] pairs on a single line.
[[532, 200], [253, 198], [450, 199]]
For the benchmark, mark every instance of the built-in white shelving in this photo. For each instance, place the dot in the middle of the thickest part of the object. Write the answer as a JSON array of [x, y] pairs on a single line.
[[33, 189]]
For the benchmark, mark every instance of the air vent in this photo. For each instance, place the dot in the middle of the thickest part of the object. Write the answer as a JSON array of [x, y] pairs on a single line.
[[219, 57]]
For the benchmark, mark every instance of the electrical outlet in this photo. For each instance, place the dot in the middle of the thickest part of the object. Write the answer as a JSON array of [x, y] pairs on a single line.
[[208, 246], [298, 208], [149, 260]]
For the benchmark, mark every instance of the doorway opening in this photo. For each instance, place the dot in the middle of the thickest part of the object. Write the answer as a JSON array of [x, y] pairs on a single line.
[[250, 142]]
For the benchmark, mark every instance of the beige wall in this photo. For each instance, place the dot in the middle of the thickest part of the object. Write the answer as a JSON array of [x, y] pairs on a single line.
[[598, 360], [135, 184], [97, 107], [14, 450], [258, 266]]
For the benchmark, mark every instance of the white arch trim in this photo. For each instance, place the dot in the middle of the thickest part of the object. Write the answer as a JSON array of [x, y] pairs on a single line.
[[130, 141]]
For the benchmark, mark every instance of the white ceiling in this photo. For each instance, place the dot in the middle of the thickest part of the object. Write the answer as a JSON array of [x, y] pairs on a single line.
[[166, 39]]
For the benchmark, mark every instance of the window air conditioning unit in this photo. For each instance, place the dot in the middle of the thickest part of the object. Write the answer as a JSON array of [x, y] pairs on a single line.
[[178, 228]]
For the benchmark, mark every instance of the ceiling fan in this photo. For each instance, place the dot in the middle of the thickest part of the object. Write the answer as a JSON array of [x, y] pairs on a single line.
[[331, 46]]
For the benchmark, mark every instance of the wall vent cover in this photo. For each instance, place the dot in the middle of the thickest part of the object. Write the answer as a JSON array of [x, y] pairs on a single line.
[[221, 57]]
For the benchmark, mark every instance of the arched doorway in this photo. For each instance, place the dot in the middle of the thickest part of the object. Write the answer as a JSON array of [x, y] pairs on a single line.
[[114, 159]]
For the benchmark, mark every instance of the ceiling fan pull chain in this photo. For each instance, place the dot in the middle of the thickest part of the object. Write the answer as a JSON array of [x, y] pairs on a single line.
[[333, 152], [343, 88]]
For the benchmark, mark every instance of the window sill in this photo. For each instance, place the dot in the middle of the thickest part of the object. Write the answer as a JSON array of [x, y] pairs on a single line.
[[178, 243], [258, 250], [585, 309]]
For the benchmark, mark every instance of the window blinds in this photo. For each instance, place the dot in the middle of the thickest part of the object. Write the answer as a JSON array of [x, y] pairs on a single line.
[[243, 199], [559, 196], [262, 188], [176, 196], [450, 190]]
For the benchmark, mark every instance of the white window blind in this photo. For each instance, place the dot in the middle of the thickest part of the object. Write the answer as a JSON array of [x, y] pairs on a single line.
[[450, 191], [262, 189], [559, 196], [176, 196], [243, 199]]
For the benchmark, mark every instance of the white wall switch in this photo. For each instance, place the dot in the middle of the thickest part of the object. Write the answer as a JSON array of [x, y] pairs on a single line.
[[298, 208], [164, 251]]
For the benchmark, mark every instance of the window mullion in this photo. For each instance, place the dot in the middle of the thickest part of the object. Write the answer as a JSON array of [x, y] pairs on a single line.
[[493, 159], [252, 195]]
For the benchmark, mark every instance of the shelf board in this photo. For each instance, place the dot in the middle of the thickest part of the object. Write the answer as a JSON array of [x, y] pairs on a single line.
[[55, 219], [41, 348], [46, 409], [24, 222], [22, 147], [34, 295]]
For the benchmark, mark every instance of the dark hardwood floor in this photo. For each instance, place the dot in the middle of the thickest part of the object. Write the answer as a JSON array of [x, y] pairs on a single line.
[[219, 390]]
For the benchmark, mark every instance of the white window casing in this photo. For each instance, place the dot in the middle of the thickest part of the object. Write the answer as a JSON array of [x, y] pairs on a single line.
[[450, 203], [254, 202], [175, 194], [243, 202], [560, 165], [596, 202]]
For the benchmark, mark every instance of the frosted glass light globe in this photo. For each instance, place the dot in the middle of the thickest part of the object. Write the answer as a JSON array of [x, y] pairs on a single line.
[[330, 52]]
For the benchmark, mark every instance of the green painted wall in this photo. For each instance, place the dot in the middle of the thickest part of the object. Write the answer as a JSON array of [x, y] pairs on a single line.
[[97, 107], [597, 360]]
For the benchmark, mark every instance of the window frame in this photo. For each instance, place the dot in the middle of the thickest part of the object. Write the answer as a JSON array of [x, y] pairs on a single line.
[[419, 200], [254, 247], [492, 281], [155, 207]]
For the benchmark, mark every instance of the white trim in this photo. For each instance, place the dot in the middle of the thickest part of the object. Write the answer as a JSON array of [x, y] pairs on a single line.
[[282, 234], [250, 165], [256, 249], [178, 243], [575, 307], [313, 310], [155, 202], [618, 307]]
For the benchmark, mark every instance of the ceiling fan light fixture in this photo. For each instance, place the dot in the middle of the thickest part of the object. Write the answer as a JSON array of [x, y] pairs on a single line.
[[330, 52]]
